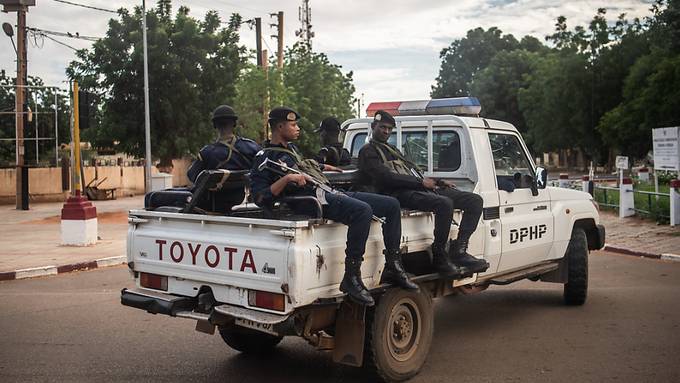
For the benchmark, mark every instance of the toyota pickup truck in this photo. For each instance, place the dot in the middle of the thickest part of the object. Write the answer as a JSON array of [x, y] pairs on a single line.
[[257, 275]]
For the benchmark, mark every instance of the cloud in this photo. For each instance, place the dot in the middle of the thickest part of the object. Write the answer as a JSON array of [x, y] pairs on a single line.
[[392, 47]]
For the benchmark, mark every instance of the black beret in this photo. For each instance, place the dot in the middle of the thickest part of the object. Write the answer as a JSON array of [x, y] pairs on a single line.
[[382, 116], [283, 113], [328, 123]]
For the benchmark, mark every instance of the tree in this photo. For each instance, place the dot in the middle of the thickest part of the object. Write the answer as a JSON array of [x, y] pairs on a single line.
[[497, 86], [193, 67], [465, 57], [308, 82]]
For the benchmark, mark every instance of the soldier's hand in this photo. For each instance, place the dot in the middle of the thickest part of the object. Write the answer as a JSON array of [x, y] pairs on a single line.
[[297, 179], [429, 183], [331, 168], [449, 184]]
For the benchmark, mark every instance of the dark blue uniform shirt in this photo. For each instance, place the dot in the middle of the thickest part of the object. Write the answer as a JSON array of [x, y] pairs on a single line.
[[261, 180], [217, 156]]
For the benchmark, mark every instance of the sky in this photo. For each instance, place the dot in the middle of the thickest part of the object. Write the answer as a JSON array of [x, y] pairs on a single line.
[[392, 47]]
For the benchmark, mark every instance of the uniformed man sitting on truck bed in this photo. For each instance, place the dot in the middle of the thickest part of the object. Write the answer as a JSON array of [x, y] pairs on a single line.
[[331, 152], [351, 208], [384, 169], [229, 151]]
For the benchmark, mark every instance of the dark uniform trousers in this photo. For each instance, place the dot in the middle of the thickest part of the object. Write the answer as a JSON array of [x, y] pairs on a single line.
[[355, 210], [442, 202]]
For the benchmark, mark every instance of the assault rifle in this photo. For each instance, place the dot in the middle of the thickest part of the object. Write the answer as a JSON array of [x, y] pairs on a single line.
[[283, 169]]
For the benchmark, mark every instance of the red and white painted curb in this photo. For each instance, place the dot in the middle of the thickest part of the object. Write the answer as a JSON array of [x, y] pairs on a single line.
[[54, 270], [636, 253]]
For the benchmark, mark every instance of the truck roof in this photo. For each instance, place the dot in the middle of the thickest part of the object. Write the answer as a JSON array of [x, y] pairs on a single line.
[[437, 120]]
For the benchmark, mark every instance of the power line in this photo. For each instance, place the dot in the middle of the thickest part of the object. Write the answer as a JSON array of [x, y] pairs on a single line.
[[242, 7], [86, 6], [59, 42], [64, 34]]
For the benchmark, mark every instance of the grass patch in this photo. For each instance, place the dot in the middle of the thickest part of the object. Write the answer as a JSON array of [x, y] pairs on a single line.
[[658, 210]]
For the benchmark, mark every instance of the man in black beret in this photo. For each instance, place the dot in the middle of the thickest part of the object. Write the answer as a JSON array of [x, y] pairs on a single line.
[[353, 209], [331, 152], [384, 169], [229, 151]]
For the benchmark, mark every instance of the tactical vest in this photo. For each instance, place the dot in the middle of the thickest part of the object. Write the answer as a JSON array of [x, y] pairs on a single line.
[[400, 165], [309, 166]]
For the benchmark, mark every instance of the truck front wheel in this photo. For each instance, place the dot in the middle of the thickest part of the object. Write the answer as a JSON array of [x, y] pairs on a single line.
[[399, 334], [576, 288], [248, 341]]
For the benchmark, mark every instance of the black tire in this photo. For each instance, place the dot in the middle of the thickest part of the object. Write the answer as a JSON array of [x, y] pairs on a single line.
[[248, 341], [399, 334], [576, 288]]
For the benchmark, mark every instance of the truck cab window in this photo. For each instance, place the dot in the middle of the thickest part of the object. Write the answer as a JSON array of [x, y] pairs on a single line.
[[510, 161]]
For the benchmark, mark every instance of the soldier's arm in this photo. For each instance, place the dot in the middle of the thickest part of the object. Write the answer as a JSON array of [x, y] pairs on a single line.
[[371, 163], [196, 168]]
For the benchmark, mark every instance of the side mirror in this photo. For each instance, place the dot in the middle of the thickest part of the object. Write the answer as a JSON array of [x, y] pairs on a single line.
[[541, 177]]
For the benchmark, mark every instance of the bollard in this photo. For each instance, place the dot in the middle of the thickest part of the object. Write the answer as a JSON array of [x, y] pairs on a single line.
[[675, 202], [643, 174], [587, 185], [626, 198], [564, 180]]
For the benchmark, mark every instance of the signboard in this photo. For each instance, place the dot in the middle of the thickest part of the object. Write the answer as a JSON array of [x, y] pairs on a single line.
[[621, 162], [666, 146]]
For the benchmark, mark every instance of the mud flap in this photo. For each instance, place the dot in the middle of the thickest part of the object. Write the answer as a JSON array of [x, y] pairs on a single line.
[[349, 334]]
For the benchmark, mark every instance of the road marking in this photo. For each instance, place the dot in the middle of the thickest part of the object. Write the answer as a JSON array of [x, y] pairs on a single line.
[[671, 257], [36, 272]]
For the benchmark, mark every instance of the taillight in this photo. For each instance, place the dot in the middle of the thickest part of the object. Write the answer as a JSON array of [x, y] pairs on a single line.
[[265, 300], [153, 281]]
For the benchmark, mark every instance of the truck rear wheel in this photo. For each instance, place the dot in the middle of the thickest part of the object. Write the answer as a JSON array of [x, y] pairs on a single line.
[[248, 341], [576, 288], [399, 334]]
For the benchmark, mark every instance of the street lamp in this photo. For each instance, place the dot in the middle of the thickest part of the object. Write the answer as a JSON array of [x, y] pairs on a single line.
[[9, 31]]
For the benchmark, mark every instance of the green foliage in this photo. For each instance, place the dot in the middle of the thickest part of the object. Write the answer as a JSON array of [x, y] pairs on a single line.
[[600, 87], [193, 67], [465, 57], [308, 83]]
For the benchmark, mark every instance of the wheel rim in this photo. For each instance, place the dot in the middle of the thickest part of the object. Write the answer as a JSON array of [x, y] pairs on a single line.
[[404, 330]]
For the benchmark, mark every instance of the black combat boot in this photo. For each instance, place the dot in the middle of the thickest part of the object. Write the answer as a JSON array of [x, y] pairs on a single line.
[[352, 284], [441, 263], [460, 257], [394, 272]]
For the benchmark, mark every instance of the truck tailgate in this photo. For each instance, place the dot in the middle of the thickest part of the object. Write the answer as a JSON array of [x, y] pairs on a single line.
[[232, 254]]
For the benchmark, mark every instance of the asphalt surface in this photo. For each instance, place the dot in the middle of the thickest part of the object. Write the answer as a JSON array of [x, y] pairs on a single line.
[[72, 327]]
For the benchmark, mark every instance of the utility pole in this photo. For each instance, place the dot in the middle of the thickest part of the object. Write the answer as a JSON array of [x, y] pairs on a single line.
[[147, 117], [258, 42], [305, 15], [21, 7], [265, 105], [279, 37]]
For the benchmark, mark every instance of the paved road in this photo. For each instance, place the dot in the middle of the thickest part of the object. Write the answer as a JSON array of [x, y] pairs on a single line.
[[72, 328]]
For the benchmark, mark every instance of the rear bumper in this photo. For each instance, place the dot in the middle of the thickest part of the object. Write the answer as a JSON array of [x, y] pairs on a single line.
[[156, 303], [223, 314]]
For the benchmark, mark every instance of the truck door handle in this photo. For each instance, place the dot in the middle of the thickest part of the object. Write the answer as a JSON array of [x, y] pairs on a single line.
[[541, 207], [509, 209]]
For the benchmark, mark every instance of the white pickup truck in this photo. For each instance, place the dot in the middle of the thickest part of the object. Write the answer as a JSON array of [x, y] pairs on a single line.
[[258, 276]]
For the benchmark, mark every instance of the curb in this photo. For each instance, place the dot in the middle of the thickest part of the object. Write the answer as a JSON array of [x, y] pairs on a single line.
[[44, 271], [636, 253]]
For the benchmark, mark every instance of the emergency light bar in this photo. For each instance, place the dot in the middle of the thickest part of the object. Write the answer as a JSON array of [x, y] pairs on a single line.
[[466, 106]]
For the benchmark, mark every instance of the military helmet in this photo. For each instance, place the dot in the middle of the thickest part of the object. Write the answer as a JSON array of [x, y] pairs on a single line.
[[224, 112]]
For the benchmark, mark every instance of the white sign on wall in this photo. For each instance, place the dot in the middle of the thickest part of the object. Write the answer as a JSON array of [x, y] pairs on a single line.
[[621, 162], [666, 146]]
